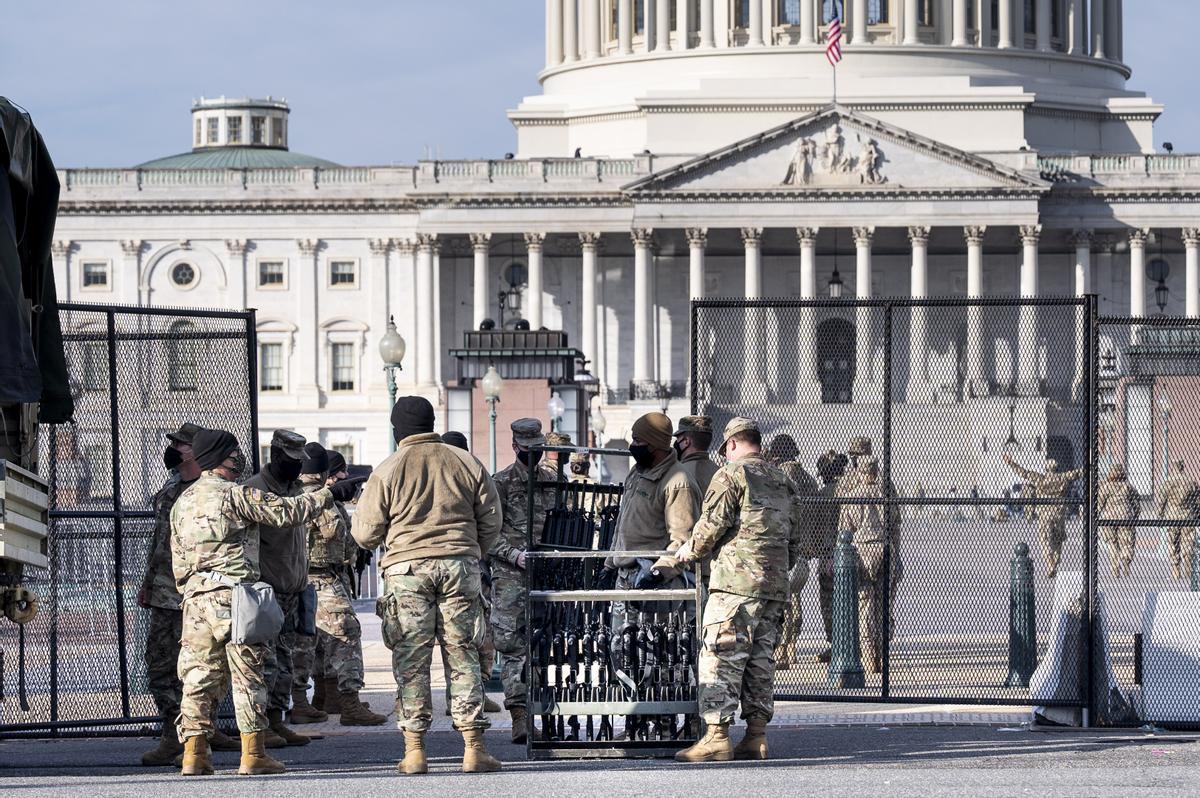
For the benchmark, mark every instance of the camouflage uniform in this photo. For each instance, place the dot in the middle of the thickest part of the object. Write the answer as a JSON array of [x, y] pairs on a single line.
[[213, 532], [750, 526], [162, 595], [1180, 501], [851, 480], [509, 583], [1118, 501], [1052, 519], [698, 465], [868, 523], [793, 614]]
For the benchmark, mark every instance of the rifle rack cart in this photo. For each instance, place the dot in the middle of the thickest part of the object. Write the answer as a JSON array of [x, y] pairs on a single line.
[[601, 658]]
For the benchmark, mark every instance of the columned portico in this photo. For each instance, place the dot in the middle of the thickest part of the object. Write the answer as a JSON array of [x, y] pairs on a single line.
[[643, 310], [809, 388], [697, 239], [919, 388], [752, 242], [977, 384], [1028, 375], [533, 295], [868, 385], [479, 250], [1137, 272], [588, 243]]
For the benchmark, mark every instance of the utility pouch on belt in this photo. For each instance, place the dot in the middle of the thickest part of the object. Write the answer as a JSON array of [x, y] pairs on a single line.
[[257, 617], [385, 608], [306, 622]]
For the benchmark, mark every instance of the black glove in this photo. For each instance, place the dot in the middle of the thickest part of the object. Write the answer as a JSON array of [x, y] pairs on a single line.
[[344, 490]]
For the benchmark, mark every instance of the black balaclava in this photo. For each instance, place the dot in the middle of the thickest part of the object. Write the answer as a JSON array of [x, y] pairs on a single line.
[[412, 415], [172, 459], [529, 459], [316, 459], [211, 447], [284, 468], [643, 455]]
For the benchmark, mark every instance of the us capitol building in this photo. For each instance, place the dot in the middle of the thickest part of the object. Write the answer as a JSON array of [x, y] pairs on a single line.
[[678, 150]]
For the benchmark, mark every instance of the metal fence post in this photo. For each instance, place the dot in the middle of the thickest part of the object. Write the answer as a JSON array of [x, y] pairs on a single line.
[[1090, 547], [1022, 628], [845, 664]]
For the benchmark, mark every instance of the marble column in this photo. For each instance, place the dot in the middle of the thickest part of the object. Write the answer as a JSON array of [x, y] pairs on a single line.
[[554, 33], [479, 248], [533, 292], [1191, 243], [1077, 27], [752, 241], [1082, 241], [697, 240], [960, 24], [753, 385], [1096, 29], [662, 26], [808, 388], [1137, 272], [707, 29], [859, 22], [570, 31], [1029, 381], [1005, 25], [426, 336], [912, 22], [985, 22], [591, 28], [683, 24], [237, 247], [589, 243], [1042, 25], [808, 22], [867, 387], [920, 391], [976, 381], [625, 27], [438, 352], [376, 287], [643, 310], [308, 315], [755, 32]]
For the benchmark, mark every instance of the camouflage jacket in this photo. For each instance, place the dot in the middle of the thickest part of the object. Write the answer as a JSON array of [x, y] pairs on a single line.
[[750, 524], [158, 584], [805, 484], [868, 522], [327, 534], [701, 468], [1051, 485], [1179, 498], [1117, 501], [214, 527], [512, 486], [659, 507]]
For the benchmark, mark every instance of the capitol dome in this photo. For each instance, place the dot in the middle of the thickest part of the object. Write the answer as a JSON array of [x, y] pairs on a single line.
[[681, 77]]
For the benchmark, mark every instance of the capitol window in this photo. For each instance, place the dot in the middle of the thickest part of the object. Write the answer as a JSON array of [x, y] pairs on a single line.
[[183, 275], [258, 130], [235, 129], [270, 367], [341, 359], [343, 274], [95, 275], [214, 129], [183, 363], [272, 274], [277, 132], [95, 363], [199, 132]]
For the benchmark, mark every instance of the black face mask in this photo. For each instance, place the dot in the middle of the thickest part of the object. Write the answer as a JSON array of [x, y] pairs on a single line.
[[679, 449], [172, 458], [286, 469], [239, 463], [642, 455], [529, 459]]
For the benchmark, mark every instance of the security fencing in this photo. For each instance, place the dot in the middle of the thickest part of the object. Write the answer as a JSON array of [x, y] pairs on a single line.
[[948, 391], [136, 374]]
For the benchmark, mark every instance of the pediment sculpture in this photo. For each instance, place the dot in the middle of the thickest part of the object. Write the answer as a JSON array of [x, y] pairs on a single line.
[[829, 163]]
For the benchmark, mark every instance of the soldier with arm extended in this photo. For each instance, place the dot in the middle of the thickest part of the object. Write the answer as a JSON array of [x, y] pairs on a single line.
[[1052, 519], [750, 526], [214, 546], [1179, 500], [435, 511]]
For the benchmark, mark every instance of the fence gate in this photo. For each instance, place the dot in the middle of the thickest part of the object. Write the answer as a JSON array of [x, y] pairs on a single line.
[[947, 390], [136, 374]]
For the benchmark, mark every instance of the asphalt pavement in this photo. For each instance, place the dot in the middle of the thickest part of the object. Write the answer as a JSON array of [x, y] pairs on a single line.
[[826, 761]]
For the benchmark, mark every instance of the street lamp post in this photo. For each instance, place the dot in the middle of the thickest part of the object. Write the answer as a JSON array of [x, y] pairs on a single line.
[[557, 409], [492, 384], [391, 349]]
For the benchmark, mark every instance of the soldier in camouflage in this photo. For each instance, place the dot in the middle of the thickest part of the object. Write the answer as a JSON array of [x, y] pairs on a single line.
[[783, 453], [435, 510], [339, 632], [1052, 519], [215, 545], [160, 595], [823, 520], [750, 525], [693, 437], [873, 536], [507, 557], [1179, 500], [1118, 501], [579, 466]]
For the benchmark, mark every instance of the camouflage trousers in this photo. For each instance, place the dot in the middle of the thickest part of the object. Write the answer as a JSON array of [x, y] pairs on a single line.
[[793, 616], [428, 600], [1119, 541], [209, 665], [1052, 532], [483, 636], [338, 638], [162, 660], [1181, 541], [508, 632], [278, 669], [872, 589], [737, 661]]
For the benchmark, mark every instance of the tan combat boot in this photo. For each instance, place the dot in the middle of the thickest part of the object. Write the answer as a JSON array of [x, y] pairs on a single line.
[[713, 747], [356, 713], [275, 716], [489, 705], [520, 725], [318, 699], [476, 758], [414, 762], [255, 761], [168, 748], [304, 712], [754, 744], [220, 741], [197, 761], [332, 701]]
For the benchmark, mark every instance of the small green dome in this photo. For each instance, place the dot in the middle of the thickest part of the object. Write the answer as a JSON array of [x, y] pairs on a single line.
[[238, 158]]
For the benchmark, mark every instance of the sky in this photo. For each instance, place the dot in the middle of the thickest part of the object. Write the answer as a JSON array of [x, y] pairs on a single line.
[[369, 81]]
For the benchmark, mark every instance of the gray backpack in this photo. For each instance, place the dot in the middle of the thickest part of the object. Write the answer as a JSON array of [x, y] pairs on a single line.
[[257, 617]]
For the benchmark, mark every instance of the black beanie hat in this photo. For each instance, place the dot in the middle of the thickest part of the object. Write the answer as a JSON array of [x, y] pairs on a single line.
[[412, 415], [456, 439], [316, 459], [210, 447], [336, 462]]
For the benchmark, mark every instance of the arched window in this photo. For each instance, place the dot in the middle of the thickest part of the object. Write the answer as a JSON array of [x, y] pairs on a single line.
[[835, 360], [183, 364]]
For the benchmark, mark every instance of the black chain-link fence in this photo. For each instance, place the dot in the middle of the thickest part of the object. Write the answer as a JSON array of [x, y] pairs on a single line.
[[948, 392], [136, 374]]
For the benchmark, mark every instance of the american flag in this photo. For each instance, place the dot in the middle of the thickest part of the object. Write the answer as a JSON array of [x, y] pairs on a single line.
[[833, 40]]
